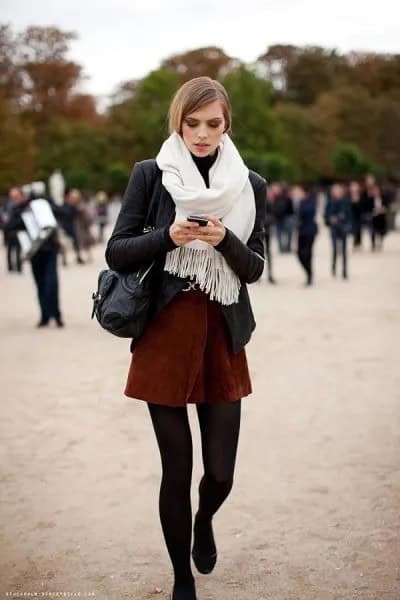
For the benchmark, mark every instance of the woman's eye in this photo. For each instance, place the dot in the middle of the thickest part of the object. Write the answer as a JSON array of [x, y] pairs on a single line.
[[214, 125], [191, 124]]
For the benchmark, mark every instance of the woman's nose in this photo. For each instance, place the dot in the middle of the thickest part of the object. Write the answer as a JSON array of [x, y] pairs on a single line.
[[202, 133]]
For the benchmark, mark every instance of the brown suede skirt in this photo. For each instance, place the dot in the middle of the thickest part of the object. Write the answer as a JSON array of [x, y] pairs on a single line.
[[183, 357]]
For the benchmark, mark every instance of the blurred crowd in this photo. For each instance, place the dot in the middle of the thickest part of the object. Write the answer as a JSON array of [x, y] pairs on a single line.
[[349, 211], [294, 217]]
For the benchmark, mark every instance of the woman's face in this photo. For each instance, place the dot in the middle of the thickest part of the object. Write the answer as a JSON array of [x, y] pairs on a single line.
[[203, 129]]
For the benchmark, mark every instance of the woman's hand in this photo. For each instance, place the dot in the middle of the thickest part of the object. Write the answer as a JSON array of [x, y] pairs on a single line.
[[213, 233], [183, 232]]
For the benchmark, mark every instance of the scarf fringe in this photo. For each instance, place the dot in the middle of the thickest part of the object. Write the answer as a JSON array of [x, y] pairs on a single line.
[[208, 271]]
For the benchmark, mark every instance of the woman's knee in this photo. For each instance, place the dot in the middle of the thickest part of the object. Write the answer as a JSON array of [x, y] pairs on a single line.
[[221, 481]]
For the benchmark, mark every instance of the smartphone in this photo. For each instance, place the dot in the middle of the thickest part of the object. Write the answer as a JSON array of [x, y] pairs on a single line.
[[202, 221]]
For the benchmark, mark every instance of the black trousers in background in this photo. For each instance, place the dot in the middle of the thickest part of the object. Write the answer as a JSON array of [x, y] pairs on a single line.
[[219, 427], [304, 253], [44, 269], [14, 262], [357, 231], [339, 240]]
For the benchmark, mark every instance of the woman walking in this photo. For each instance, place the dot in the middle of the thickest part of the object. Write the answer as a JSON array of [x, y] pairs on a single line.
[[192, 351]]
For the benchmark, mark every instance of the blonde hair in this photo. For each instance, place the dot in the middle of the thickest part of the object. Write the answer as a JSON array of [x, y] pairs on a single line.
[[194, 94]]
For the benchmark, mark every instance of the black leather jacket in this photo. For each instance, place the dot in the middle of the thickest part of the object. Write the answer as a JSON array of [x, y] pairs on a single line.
[[128, 247]]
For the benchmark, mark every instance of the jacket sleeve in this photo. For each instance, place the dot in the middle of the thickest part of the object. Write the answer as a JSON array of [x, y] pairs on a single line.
[[128, 247], [247, 260]]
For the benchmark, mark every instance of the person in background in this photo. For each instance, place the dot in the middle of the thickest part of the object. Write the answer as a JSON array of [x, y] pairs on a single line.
[[377, 206], [338, 218], [307, 229], [283, 212], [85, 218], [379, 219], [101, 200], [14, 261], [268, 225], [44, 261], [355, 196], [289, 221], [68, 221]]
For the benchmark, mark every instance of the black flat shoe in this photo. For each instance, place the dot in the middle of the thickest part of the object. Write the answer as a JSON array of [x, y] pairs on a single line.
[[204, 552], [184, 592]]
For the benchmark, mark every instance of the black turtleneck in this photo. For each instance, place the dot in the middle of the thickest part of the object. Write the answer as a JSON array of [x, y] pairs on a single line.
[[204, 164]]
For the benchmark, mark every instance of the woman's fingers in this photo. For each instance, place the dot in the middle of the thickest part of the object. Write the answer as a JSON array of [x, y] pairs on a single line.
[[183, 232], [187, 225]]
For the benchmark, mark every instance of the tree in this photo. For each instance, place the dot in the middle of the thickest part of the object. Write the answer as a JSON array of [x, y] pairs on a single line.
[[387, 134], [313, 71], [49, 78], [78, 149], [118, 177], [301, 74], [276, 61], [254, 124], [10, 76], [210, 61], [300, 139], [378, 73], [137, 126], [349, 162], [17, 150], [271, 165]]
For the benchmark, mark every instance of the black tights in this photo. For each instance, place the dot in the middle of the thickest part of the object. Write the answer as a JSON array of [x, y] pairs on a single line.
[[219, 427]]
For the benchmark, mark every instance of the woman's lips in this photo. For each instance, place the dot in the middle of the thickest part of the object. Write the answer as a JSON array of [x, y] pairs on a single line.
[[202, 145]]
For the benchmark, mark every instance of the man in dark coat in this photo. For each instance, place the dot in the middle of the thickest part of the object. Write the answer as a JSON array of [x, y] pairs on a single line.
[[43, 262]]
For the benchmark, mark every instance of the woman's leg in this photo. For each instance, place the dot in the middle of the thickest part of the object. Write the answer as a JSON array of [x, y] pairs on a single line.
[[172, 429], [219, 427]]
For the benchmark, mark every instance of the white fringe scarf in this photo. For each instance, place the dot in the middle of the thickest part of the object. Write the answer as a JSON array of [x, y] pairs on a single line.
[[230, 197]]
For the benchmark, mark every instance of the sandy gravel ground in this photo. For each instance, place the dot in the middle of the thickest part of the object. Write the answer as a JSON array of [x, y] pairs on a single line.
[[315, 510]]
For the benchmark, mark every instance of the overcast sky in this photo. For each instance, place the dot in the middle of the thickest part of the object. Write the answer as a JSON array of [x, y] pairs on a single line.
[[125, 39]]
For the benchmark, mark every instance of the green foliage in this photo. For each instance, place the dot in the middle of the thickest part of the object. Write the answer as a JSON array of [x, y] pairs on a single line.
[[349, 162], [254, 123], [271, 165], [148, 112], [78, 179], [79, 150], [118, 177], [17, 149], [300, 139]]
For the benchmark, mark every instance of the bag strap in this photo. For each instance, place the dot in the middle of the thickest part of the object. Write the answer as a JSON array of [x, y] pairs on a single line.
[[150, 182]]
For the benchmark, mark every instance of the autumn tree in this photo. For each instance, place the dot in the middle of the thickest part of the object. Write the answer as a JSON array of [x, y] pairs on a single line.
[[17, 149], [49, 78], [211, 61]]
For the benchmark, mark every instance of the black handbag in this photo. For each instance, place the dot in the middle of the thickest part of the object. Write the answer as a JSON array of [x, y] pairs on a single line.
[[122, 301]]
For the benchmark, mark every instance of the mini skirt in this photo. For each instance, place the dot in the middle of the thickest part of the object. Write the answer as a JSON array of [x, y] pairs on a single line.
[[184, 356]]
